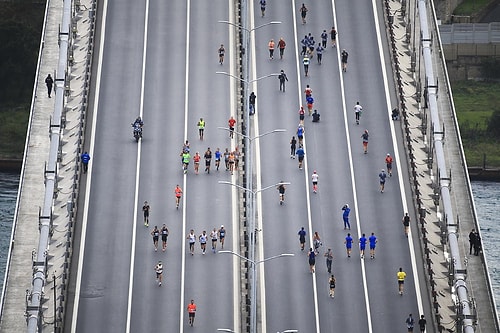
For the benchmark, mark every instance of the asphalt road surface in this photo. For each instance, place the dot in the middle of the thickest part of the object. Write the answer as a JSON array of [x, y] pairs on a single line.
[[159, 60]]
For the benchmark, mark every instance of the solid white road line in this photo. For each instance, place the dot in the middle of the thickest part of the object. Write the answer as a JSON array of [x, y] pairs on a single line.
[[89, 172], [351, 171], [397, 160], [305, 168], [137, 173], [235, 207], [186, 120]]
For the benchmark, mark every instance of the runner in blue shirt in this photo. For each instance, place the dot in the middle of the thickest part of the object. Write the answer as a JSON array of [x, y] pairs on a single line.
[[312, 260], [382, 175], [362, 246], [348, 244], [373, 241], [218, 155], [302, 238], [300, 153]]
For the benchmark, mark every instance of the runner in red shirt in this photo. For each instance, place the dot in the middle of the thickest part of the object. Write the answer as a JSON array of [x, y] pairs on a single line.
[[388, 162], [191, 308], [231, 122]]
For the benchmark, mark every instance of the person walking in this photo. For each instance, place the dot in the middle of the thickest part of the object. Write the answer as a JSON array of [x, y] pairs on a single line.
[[270, 46], [357, 112], [303, 13], [324, 38], [477, 244], [314, 179], [345, 216], [159, 273], [281, 46], [300, 154], [191, 309], [221, 52], [388, 164], [410, 322], [319, 53], [164, 236], [343, 59], [348, 244], [293, 147], [331, 283], [85, 158], [282, 77], [302, 238], [329, 259], [201, 128], [422, 323], [156, 236], [145, 211], [333, 36], [406, 223], [226, 158], [191, 237], [49, 82], [312, 260], [362, 246], [382, 176], [472, 240], [251, 101], [373, 243], [263, 7], [401, 280], [305, 62], [365, 137]]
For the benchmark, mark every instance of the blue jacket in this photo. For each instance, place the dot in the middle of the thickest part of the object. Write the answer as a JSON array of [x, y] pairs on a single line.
[[85, 158]]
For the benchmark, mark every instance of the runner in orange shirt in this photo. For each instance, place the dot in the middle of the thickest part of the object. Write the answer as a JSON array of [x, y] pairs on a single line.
[[196, 159], [271, 49], [231, 122], [191, 308], [388, 162], [178, 195]]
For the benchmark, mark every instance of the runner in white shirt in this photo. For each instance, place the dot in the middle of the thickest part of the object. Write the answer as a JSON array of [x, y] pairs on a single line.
[[314, 179], [214, 235], [203, 241], [192, 239], [357, 111]]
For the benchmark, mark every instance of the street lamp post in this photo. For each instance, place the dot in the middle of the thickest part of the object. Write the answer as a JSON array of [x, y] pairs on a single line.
[[253, 263]]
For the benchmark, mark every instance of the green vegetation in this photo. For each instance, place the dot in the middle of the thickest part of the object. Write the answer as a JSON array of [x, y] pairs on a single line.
[[470, 7], [20, 30], [478, 111]]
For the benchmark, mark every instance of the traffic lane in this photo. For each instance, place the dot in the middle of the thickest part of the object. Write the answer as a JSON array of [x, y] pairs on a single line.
[[105, 279]]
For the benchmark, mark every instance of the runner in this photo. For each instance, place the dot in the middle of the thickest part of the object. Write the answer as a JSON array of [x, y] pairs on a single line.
[[271, 49], [300, 134], [302, 113], [208, 160], [164, 235], [300, 153], [316, 242], [382, 176], [308, 91], [214, 235], [333, 37], [373, 242], [344, 56], [319, 52], [365, 137], [312, 260], [218, 155], [281, 46], [196, 160], [221, 51], [178, 195], [305, 62], [156, 235], [203, 241], [406, 223], [302, 238], [186, 157], [410, 322], [159, 273], [348, 244], [401, 280], [388, 164], [314, 179], [324, 38], [310, 104], [145, 209], [192, 239], [281, 191], [191, 309], [226, 158], [231, 122], [303, 13], [231, 162], [357, 112], [201, 128], [222, 236], [331, 283], [263, 7], [362, 246]]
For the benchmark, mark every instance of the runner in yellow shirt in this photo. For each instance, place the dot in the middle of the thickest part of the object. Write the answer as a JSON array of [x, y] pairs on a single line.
[[401, 280]]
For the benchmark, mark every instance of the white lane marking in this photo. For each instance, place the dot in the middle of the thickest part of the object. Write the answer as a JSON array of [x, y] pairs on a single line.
[[398, 162], [351, 171], [89, 172], [137, 173], [184, 181], [235, 208], [308, 197]]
